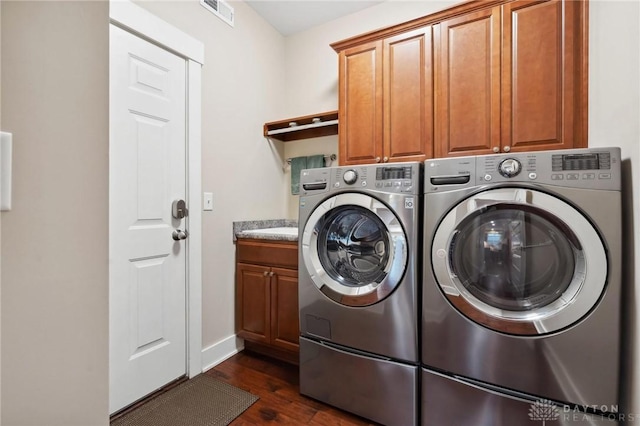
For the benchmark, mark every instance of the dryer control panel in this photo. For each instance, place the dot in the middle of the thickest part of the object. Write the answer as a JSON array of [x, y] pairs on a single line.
[[592, 168]]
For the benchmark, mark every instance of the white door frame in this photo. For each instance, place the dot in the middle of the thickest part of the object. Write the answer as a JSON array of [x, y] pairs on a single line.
[[144, 24]]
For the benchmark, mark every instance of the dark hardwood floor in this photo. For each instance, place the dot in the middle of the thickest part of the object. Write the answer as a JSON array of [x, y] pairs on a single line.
[[276, 383]]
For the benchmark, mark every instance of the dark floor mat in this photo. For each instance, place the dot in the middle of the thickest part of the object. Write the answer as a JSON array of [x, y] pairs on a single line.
[[201, 401]]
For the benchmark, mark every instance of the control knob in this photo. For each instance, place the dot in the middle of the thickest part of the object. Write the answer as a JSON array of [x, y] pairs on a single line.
[[350, 177], [510, 167]]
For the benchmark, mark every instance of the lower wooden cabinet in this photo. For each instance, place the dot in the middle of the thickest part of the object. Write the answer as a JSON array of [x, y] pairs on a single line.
[[267, 297]]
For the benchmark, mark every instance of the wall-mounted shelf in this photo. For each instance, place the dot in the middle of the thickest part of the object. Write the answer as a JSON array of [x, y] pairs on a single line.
[[309, 126]]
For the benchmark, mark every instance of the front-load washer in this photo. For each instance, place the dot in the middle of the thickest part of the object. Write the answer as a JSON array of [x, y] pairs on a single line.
[[521, 288], [359, 246]]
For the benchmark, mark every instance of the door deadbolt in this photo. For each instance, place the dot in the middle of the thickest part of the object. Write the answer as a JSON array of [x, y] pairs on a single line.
[[179, 209]]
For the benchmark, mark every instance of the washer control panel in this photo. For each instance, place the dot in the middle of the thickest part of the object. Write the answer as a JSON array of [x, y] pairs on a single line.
[[400, 178], [590, 168], [350, 177], [403, 178], [510, 167]]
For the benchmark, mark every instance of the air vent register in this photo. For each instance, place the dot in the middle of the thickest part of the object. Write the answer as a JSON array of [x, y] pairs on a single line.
[[220, 8]]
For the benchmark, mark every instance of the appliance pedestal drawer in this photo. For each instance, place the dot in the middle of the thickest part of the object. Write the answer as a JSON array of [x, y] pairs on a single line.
[[451, 400], [367, 386]]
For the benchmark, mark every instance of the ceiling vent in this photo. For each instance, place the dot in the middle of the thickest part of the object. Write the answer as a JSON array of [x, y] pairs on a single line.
[[220, 8]]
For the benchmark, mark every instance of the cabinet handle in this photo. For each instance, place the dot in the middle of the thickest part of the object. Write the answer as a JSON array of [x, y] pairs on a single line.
[[496, 149], [271, 274], [507, 148], [377, 159], [385, 159], [265, 273]]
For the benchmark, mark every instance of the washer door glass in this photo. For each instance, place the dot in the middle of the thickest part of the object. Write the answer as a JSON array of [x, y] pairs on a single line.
[[353, 246], [354, 249], [515, 260]]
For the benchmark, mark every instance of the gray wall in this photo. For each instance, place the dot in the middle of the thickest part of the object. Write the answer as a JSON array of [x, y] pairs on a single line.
[[614, 120], [54, 240]]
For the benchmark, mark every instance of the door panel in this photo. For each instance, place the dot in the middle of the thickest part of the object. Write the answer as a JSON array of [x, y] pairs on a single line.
[[253, 293], [147, 307], [147, 293], [468, 84], [408, 96], [538, 75], [285, 331], [360, 112]]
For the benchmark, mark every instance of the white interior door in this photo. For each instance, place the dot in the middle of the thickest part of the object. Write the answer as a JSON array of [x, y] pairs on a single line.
[[147, 169]]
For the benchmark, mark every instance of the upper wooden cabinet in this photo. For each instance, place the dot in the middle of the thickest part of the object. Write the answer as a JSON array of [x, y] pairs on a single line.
[[360, 104], [479, 78], [386, 99], [544, 75], [467, 61], [408, 96], [509, 78]]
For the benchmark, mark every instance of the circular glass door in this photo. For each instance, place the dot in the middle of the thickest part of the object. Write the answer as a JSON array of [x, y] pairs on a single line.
[[354, 249], [519, 261]]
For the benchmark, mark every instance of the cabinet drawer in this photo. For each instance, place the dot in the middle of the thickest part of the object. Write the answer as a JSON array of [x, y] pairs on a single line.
[[271, 253]]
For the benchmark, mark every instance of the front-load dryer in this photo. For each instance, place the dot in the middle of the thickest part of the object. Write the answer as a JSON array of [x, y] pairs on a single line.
[[359, 247], [521, 288]]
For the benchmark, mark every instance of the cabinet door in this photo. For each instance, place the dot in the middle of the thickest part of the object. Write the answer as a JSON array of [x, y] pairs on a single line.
[[467, 80], [253, 302], [285, 329], [541, 76], [408, 96], [360, 112]]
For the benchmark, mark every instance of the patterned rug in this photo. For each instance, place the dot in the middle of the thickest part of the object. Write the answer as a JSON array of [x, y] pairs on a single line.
[[201, 401]]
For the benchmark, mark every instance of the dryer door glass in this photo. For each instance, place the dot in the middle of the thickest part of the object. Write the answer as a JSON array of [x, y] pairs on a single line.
[[514, 258]]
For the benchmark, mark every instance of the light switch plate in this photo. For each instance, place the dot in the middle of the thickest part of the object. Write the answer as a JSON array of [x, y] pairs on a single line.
[[207, 201], [5, 170]]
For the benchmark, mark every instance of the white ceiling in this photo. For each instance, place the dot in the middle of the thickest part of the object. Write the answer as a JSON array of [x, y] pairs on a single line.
[[293, 16]]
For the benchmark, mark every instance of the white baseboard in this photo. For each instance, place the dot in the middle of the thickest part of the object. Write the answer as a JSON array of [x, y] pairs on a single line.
[[219, 351]]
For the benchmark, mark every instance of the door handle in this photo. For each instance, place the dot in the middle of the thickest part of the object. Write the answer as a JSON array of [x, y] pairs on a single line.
[[179, 234]]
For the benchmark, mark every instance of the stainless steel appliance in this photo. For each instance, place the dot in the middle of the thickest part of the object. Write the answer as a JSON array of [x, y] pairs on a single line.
[[521, 288], [358, 289]]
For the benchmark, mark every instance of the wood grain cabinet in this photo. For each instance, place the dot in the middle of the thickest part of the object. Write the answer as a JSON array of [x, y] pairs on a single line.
[[467, 61], [510, 78], [386, 99], [481, 77], [267, 297], [544, 75]]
